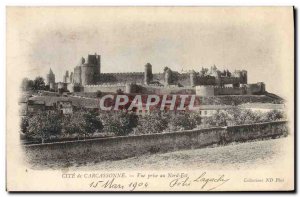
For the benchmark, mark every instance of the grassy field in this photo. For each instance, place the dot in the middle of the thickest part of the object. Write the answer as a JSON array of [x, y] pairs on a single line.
[[234, 156]]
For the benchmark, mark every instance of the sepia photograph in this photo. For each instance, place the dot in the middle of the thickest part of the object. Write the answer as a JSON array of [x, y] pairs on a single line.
[[145, 99]]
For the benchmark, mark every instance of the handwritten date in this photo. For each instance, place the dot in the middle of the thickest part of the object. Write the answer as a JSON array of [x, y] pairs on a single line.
[[113, 184]]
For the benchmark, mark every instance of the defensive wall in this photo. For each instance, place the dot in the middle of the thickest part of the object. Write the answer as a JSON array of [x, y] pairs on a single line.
[[114, 148], [170, 89], [215, 90], [256, 88], [105, 88], [129, 77], [88, 72], [250, 89], [151, 89], [139, 88], [229, 91]]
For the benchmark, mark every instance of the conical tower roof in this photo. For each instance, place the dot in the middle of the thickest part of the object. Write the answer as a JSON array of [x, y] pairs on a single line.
[[51, 72]]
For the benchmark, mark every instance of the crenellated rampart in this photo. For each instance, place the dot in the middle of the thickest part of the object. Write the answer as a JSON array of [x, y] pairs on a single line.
[[210, 90], [105, 87]]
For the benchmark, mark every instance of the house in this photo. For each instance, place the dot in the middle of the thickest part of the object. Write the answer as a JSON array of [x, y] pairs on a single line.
[[64, 107], [209, 110], [23, 106], [35, 106]]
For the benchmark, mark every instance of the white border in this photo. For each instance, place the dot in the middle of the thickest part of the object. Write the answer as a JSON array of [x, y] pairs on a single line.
[[4, 3]]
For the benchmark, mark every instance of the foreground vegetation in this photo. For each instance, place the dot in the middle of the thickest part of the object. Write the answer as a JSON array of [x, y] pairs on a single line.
[[45, 126]]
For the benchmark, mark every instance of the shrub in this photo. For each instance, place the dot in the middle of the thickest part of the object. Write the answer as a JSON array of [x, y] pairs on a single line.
[[275, 115], [237, 116], [82, 123], [220, 118], [119, 122], [154, 122], [24, 124], [43, 125], [99, 94], [27, 84], [182, 121]]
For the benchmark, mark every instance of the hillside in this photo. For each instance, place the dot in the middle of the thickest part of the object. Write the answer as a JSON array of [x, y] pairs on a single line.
[[89, 100], [240, 99]]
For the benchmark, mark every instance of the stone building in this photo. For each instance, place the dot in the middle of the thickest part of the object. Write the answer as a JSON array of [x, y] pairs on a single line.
[[50, 80], [64, 107]]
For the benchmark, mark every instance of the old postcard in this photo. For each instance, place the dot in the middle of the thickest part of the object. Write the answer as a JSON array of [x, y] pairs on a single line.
[[150, 99]]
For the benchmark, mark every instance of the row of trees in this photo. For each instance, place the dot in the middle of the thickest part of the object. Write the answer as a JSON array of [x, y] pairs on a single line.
[[45, 125], [82, 124], [238, 116], [37, 84]]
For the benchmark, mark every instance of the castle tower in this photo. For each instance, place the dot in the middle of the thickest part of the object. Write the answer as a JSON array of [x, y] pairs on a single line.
[[71, 77], [87, 74], [241, 75], [66, 78], [244, 79], [148, 76], [168, 76], [95, 60], [218, 78], [193, 78], [90, 71], [98, 70], [50, 78], [77, 75]]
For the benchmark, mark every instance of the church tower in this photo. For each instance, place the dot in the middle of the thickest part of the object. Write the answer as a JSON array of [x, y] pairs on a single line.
[[50, 79]]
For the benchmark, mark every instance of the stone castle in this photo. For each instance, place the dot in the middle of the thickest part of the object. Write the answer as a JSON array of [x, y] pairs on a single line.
[[87, 77]]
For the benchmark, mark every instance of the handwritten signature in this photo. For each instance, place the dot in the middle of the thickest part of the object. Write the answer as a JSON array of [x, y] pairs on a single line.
[[206, 183]]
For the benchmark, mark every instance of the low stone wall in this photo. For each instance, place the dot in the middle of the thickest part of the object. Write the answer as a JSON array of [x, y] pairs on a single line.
[[255, 131], [123, 147]]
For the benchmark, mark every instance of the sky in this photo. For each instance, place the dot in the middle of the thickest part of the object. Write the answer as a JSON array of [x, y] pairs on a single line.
[[258, 40]]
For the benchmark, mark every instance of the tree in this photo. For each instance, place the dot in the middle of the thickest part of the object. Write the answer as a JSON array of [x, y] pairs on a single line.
[[120, 123], [274, 115], [182, 121], [39, 83], [24, 124], [82, 123], [47, 87], [98, 94], [237, 116], [196, 117], [92, 122], [119, 91], [154, 122], [220, 119], [166, 68], [44, 125], [74, 124], [27, 84], [204, 71]]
